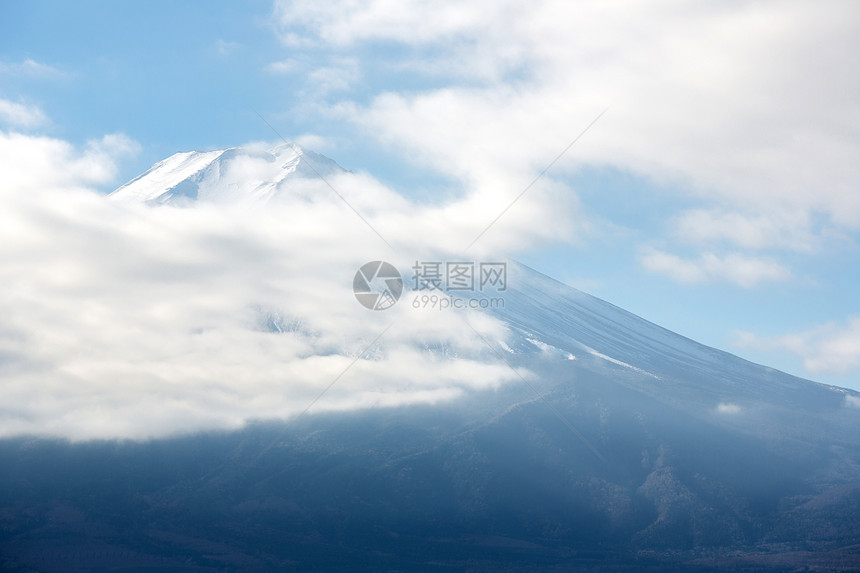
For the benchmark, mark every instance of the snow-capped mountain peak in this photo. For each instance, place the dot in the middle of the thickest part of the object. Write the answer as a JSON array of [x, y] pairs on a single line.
[[223, 175]]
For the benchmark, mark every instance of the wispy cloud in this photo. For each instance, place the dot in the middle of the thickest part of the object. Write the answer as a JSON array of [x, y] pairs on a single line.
[[772, 230], [226, 47], [21, 115], [728, 408], [282, 66], [735, 268], [408, 22], [30, 68], [831, 348], [338, 76]]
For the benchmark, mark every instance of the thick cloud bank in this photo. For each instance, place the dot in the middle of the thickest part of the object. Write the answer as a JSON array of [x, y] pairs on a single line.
[[126, 320]]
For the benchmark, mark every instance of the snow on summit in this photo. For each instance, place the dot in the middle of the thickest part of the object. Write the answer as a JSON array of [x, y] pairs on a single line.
[[230, 174]]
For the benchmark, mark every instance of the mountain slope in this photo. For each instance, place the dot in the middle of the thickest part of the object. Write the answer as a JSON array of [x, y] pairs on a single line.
[[624, 462], [661, 362]]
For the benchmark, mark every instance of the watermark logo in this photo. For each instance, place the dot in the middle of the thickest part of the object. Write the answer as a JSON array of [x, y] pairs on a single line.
[[458, 284], [377, 285], [463, 276]]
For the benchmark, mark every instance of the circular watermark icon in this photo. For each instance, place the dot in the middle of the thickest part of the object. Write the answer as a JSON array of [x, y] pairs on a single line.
[[377, 285]]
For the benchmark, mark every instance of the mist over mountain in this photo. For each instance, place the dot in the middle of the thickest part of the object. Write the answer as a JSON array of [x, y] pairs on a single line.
[[567, 434]]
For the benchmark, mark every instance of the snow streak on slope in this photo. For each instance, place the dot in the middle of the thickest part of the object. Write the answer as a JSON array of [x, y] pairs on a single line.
[[573, 321], [163, 181]]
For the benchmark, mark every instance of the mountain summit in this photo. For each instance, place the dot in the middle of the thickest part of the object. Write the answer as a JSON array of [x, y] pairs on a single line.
[[222, 175]]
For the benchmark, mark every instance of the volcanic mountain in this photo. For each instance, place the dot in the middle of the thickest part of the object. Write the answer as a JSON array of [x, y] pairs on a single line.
[[631, 448]]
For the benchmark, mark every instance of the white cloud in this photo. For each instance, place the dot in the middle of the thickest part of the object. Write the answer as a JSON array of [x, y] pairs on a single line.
[[30, 68], [742, 103], [852, 401], [226, 47], [338, 76], [282, 66], [409, 22], [728, 408], [830, 348], [709, 267], [128, 321], [21, 115], [753, 231], [32, 164]]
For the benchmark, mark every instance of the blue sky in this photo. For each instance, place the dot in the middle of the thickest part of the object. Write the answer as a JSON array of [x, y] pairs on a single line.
[[719, 196]]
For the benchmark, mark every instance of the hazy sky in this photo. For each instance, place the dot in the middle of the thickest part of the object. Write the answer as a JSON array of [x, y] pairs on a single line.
[[718, 196]]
